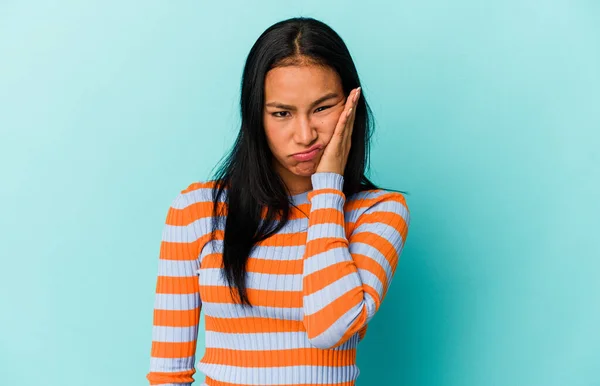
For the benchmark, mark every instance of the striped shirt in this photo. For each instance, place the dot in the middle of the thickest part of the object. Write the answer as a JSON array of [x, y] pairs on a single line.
[[314, 286]]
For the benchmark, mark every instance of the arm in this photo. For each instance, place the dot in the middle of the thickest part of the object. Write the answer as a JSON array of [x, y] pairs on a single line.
[[346, 279], [177, 301]]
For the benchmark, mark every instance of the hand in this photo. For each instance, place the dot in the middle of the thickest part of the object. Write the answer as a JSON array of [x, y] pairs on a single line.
[[335, 154]]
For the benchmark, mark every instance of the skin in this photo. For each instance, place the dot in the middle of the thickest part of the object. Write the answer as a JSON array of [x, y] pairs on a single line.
[[303, 123]]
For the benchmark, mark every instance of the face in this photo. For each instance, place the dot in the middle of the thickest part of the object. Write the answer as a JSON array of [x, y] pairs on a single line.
[[302, 107]]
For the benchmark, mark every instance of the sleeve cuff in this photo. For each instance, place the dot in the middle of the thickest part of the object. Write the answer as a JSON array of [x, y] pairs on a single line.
[[327, 180]]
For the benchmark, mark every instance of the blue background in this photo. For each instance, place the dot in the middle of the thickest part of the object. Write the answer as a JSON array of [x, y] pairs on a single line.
[[487, 113]]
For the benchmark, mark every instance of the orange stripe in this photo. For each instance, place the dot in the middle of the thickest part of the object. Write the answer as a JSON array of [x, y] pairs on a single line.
[[354, 327], [284, 240], [160, 378], [381, 244], [373, 292], [393, 219], [324, 318], [316, 192], [269, 298], [362, 332], [199, 185], [278, 358], [254, 264], [368, 202], [317, 246], [372, 266], [251, 325], [179, 251], [326, 216], [322, 278], [184, 285], [173, 349], [211, 382], [177, 318]]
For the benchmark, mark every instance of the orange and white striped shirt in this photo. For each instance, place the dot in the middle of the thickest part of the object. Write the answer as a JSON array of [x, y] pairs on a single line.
[[314, 286]]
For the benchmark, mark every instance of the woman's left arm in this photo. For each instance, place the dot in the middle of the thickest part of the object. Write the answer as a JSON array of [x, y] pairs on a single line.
[[345, 279]]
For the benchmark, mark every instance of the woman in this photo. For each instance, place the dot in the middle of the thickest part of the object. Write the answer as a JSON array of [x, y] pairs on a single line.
[[294, 248]]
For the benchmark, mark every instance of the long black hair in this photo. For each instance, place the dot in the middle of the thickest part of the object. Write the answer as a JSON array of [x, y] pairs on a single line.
[[254, 188]]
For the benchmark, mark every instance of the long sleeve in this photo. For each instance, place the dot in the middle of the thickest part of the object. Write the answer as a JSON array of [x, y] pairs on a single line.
[[177, 301], [345, 278]]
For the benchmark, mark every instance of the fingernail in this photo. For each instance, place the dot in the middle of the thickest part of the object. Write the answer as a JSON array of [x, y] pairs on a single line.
[[349, 112]]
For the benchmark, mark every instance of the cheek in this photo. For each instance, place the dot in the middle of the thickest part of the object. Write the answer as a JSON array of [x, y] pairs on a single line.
[[327, 124], [275, 138]]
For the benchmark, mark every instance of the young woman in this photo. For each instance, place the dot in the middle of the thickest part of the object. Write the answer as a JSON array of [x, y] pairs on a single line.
[[290, 249]]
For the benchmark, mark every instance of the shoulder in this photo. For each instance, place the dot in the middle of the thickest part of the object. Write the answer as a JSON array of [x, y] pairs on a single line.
[[195, 201]]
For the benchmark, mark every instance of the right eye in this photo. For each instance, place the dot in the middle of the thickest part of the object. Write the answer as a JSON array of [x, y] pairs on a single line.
[[278, 112]]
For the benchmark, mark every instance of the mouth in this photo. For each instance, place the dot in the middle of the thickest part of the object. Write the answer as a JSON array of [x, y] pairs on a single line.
[[307, 155]]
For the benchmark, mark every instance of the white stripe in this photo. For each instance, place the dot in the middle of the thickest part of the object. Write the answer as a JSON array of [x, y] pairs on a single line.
[[335, 332], [325, 230], [369, 278], [324, 259], [327, 200], [318, 300], [284, 253], [177, 268], [186, 233], [372, 253], [176, 302], [254, 280], [265, 341], [386, 231], [277, 375], [171, 365], [234, 310], [174, 334]]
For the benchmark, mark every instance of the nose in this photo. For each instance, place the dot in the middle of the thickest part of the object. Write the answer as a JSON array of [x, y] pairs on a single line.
[[304, 133]]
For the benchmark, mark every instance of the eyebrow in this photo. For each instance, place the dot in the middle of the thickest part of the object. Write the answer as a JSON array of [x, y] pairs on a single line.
[[290, 107]]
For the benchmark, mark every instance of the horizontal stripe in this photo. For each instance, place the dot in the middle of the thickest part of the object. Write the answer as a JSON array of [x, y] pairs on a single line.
[[324, 259], [262, 341], [220, 294], [176, 302], [279, 358], [186, 233], [326, 200], [174, 334], [251, 324], [177, 268], [171, 365], [318, 231], [232, 310], [254, 280], [290, 375], [177, 318], [177, 285], [257, 341], [212, 382]]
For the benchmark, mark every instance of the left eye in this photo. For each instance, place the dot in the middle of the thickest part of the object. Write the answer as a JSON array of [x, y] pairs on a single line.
[[322, 107]]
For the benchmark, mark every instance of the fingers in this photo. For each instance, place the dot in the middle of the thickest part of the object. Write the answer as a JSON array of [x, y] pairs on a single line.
[[348, 113], [349, 124]]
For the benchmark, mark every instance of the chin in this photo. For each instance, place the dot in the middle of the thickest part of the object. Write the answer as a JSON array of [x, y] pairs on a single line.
[[305, 170]]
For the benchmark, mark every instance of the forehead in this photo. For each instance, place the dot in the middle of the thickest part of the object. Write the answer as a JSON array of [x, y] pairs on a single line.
[[299, 83]]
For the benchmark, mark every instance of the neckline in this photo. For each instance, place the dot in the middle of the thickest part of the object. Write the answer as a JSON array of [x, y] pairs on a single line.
[[295, 198]]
